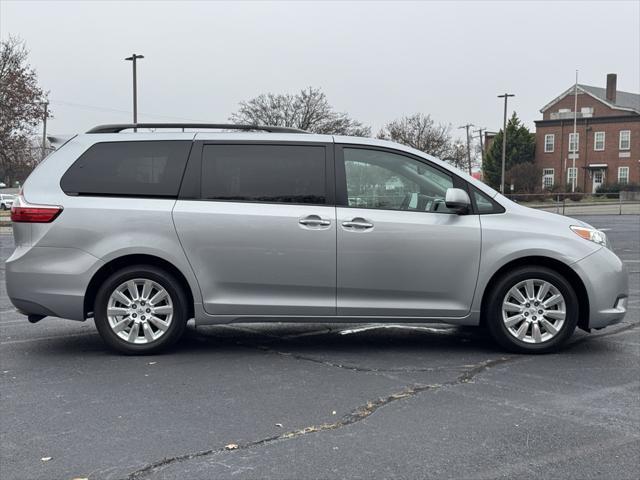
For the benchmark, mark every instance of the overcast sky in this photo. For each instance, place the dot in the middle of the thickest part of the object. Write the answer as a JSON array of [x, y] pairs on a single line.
[[375, 60]]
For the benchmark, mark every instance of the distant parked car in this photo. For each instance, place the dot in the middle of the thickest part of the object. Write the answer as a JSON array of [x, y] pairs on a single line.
[[143, 231], [6, 200], [2, 185]]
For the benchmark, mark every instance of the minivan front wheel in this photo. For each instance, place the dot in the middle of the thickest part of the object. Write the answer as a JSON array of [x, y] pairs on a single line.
[[140, 310], [532, 310]]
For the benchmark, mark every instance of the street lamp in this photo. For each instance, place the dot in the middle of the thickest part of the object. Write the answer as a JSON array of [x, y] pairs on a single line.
[[133, 59], [504, 138]]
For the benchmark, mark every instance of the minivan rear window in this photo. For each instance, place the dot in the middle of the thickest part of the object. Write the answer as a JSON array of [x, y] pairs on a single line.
[[137, 168], [264, 173]]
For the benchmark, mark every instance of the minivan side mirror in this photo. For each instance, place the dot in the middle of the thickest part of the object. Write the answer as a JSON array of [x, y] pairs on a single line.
[[458, 200]]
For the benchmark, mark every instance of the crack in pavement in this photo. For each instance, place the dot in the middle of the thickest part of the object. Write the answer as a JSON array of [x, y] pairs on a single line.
[[350, 367], [355, 416], [357, 368], [353, 368]]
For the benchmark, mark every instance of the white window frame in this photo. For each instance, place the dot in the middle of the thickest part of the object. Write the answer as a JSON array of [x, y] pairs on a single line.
[[551, 136], [548, 173], [571, 171], [595, 141], [577, 143], [625, 177], [628, 135]]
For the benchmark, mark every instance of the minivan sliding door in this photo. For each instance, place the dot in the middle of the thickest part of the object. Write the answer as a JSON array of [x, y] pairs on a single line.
[[261, 233]]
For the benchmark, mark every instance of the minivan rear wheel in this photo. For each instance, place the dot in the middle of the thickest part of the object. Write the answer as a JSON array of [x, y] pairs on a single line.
[[532, 309], [140, 309]]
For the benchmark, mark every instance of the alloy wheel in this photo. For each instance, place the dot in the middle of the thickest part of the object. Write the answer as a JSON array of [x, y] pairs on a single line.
[[534, 311], [140, 311]]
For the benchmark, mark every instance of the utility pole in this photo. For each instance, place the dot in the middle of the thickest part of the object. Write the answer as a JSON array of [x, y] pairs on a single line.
[[479, 131], [504, 138], [466, 127], [133, 58], [44, 129]]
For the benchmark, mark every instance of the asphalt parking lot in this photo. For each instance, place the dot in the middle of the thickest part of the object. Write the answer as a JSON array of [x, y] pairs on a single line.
[[321, 401]]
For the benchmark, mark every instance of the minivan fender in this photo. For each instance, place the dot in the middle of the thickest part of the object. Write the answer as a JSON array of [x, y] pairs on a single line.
[[543, 258], [126, 257]]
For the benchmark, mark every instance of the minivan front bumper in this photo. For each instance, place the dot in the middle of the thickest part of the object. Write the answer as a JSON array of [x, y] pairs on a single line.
[[607, 282], [50, 281]]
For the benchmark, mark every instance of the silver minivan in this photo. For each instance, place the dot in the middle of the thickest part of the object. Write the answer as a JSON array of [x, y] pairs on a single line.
[[143, 231]]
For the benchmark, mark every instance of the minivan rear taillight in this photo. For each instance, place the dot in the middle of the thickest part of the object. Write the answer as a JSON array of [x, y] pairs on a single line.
[[23, 212]]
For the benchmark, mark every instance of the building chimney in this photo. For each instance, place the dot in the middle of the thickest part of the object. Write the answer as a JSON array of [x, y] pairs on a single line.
[[612, 80]]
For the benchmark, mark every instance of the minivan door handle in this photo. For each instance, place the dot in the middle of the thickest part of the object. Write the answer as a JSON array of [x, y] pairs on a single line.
[[314, 221], [357, 224]]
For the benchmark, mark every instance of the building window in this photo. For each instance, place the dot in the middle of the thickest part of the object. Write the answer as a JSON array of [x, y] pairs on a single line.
[[547, 178], [574, 142], [623, 175], [549, 142], [586, 112], [625, 139], [572, 175], [598, 141]]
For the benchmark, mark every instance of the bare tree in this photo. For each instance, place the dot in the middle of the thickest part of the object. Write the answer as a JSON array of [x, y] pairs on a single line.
[[457, 155], [420, 132], [308, 110], [21, 110]]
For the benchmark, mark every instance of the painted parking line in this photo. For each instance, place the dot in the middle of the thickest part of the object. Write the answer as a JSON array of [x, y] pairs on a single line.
[[53, 337], [14, 322], [395, 326]]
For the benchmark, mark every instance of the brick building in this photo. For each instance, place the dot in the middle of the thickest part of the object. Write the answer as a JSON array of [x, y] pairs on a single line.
[[608, 138]]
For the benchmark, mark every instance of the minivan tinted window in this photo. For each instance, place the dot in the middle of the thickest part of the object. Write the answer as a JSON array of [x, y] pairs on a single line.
[[264, 173], [151, 168]]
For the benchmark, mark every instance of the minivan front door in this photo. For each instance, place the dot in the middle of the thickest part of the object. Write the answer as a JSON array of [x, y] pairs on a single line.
[[261, 236], [401, 252]]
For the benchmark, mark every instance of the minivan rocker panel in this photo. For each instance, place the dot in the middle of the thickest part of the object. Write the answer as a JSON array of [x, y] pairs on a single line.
[[154, 228]]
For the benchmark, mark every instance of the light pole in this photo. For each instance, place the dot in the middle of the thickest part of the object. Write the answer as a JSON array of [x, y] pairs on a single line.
[[574, 174], [504, 138], [133, 59]]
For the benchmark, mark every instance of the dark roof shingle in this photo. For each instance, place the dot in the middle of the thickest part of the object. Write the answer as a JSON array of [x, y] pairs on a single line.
[[623, 99]]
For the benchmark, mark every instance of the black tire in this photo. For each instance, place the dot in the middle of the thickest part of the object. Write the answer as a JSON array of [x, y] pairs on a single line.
[[3, 206], [499, 330], [162, 278]]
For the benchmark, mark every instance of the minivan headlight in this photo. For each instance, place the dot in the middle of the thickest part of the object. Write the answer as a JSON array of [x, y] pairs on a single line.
[[591, 234]]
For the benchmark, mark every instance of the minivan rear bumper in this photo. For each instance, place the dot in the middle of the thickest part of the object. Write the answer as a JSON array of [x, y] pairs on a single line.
[[50, 281], [607, 282]]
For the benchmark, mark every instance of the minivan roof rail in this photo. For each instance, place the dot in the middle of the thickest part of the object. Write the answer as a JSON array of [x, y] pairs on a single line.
[[118, 127]]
